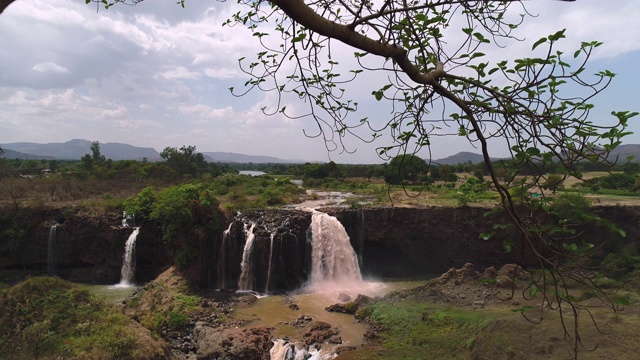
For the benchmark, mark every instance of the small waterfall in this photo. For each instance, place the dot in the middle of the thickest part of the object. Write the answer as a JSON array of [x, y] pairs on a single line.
[[284, 350], [222, 259], [360, 238], [128, 220], [129, 259], [246, 276], [266, 288], [51, 251], [332, 256]]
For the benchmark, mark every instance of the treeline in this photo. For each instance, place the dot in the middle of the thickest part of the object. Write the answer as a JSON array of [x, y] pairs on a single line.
[[185, 163], [177, 165]]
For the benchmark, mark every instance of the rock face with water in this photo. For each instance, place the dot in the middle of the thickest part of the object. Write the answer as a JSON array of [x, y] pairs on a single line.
[[275, 260], [388, 242]]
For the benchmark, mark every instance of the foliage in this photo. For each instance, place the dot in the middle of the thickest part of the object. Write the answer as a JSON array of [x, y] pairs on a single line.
[[142, 204], [408, 168], [176, 208], [410, 330], [49, 317], [473, 185], [92, 162], [185, 161], [571, 207], [615, 181]]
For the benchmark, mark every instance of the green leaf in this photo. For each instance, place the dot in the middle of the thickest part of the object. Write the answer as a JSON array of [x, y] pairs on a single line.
[[523, 309], [300, 37], [537, 43]]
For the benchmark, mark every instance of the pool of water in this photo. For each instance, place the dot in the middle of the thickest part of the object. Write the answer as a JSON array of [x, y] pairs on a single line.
[[274, 310]]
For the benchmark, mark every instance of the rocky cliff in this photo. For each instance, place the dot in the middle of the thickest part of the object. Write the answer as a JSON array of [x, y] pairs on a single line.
[[390, 242]]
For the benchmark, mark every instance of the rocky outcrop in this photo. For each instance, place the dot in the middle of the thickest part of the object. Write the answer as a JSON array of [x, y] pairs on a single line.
[[232, 343]]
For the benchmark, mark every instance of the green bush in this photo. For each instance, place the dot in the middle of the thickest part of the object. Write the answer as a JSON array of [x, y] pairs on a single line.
[[51, 318], [177, 321]]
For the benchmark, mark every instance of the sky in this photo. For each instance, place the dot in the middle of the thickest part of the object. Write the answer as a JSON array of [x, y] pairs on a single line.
[[156, 75]]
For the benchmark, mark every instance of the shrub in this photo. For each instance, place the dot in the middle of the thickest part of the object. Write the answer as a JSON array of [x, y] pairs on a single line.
[[177, 321]]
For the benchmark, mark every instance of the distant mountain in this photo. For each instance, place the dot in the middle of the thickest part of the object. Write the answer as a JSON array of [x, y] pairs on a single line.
[[622, 152], [75, 149], [11, 154], [228, 157], [461, 157]]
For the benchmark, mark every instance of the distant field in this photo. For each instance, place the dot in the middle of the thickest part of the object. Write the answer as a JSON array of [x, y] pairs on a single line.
[[571, 181]]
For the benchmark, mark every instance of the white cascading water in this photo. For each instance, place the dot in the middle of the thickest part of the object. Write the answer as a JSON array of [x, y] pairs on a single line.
[[128, 259], [333, 259], [284, 350], [222, 259], [51, 251], [266, 288], [246, 276]]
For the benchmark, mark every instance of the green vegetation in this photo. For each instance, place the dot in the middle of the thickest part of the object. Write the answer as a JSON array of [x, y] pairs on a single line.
[[50, 318], [410, 330], [166, 301]]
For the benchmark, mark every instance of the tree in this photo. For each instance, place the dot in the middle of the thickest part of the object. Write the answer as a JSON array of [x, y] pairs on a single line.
[[185, 161], [553, 183], [89, 162], [409, 168], [437, 77]]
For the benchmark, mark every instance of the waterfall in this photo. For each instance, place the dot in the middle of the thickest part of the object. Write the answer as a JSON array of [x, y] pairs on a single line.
[[284, 350], [222, 259], [129, 259], [246, 275], [51, 251], [360, 238], [333, 259], [266, 288]]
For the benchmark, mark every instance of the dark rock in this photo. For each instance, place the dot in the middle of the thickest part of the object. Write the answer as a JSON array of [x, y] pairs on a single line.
[[344, 297], [318, 332]]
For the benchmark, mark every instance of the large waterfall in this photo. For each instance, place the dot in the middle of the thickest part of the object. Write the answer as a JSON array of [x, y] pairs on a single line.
[[246, 275], [129, 260], [333, 259], [51, 251]]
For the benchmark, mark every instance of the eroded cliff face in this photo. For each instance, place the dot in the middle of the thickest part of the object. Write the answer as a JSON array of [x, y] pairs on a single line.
[[89, 245], [399, 242], [390, 242], [279, 256]]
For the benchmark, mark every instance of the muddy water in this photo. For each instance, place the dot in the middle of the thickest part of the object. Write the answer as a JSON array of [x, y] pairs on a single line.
[[275, 310]]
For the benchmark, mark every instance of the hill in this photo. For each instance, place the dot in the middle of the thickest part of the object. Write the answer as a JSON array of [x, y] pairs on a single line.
[[11, 154], [229, 157], [75, 149], [461, 157], [622, 152]]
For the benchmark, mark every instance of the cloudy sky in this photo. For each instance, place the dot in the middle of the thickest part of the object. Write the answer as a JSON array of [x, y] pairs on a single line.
[[157, 75]]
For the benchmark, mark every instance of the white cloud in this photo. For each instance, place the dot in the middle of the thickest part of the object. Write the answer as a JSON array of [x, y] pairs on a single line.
[[115, 113], [204, 111], [50, 67], [162, 71]]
